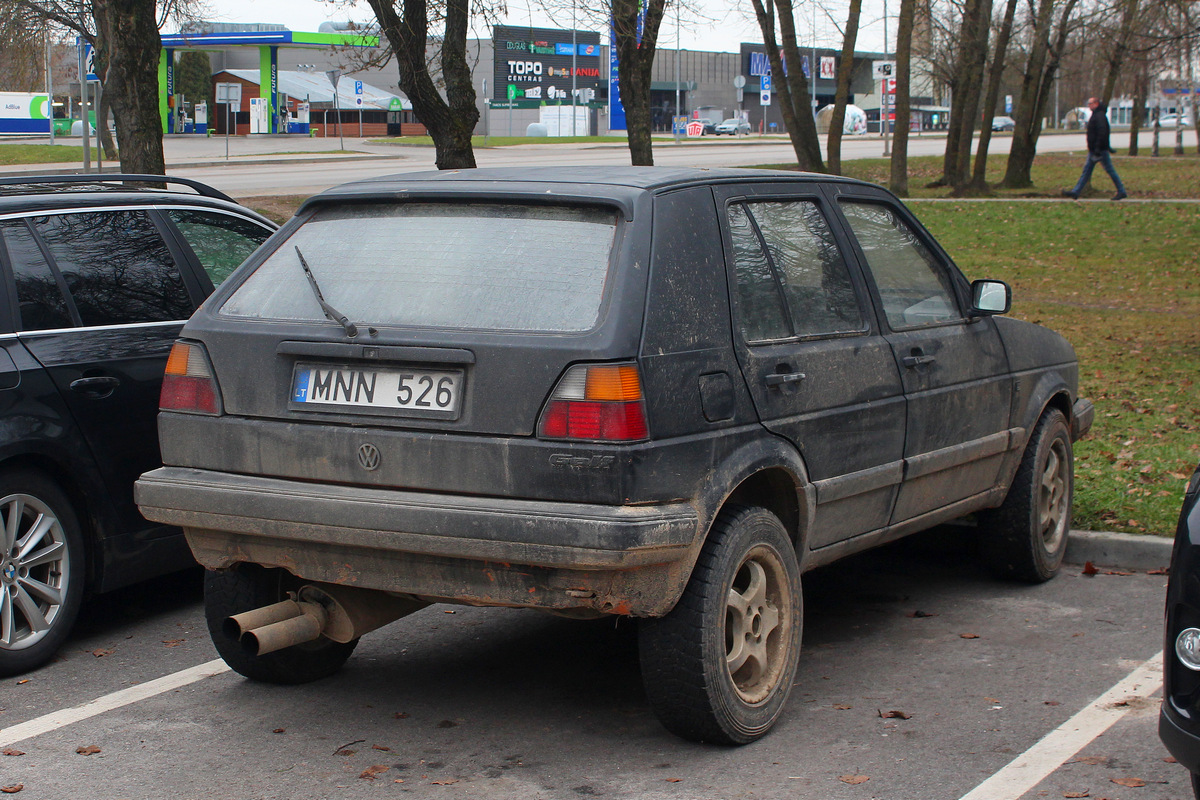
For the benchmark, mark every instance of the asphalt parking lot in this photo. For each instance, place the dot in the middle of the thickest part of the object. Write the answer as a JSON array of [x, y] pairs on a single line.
[[921, 678]]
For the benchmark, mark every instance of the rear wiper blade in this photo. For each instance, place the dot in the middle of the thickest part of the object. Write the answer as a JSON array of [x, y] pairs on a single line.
[[330, 311]]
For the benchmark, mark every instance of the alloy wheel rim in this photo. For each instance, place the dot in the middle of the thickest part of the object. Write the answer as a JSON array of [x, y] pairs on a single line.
[[1053, 497], [34, 570], [758, 625]]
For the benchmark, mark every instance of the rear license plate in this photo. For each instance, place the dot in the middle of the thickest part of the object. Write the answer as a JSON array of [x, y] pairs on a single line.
[[416, 391]]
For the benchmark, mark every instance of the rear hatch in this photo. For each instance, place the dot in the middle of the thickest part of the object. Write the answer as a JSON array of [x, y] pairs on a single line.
[[460, 318]]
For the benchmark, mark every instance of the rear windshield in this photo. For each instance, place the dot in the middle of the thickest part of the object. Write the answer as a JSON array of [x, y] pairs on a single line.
[[465, 266]]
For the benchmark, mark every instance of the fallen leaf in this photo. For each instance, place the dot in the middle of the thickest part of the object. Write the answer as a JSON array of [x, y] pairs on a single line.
[[1084, 793], [398, 780], [449, 611], [853, 780], [23, 680], [1116, 572], [991, 700], [381, 747], [345, 752], [894, 715], [674, 780], [444, 782], [102, 652], [1051, 703], [16, 787], [8, 751], [279, 730], [370, 773], [1171, 760], [1092, 760], [968, 636], [1089, 569], [1160, 571], [89, 750], [842, 707], [400, 715], [173, 642], [1132, 783]]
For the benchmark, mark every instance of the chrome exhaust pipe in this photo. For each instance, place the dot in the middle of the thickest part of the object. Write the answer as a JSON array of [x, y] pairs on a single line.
[[274, 627]]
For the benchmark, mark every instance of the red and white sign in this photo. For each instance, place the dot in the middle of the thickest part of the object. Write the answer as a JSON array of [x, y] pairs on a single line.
[[695, 128], [828, 68], [889, 86]]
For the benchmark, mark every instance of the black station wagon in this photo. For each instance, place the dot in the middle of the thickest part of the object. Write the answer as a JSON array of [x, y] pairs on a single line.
[[656, 393], [96, 280]]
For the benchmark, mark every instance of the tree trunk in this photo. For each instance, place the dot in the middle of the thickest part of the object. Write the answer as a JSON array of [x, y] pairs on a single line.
[[103, 106], [128, 34], [904, 29], [450, 121], [795, 102], [1120, 48], [1141, 90], [1040, 69], [635, 60], [995, 76], [966, 84], [845, 68]]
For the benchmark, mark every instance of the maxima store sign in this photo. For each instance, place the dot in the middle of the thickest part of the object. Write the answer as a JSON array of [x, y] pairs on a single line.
[[536, 64]]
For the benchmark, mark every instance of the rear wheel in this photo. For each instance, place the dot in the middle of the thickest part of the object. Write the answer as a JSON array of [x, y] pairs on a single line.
[[41, 570], [247, 587], [1025, 538], [719, 667]]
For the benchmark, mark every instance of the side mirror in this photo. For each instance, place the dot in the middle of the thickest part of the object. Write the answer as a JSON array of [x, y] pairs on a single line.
[[990, 297]]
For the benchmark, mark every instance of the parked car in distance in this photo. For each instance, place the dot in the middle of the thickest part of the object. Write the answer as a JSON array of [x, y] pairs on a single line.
[[1179, 719], [1003, 123], [735, 126], [1172, 120], [98, 278], [736, 376]]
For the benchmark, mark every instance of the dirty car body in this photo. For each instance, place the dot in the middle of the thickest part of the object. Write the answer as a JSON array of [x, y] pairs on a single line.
[[596, 392]]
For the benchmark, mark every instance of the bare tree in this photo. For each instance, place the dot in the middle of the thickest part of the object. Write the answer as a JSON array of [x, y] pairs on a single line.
[[845, 69], [635, 59], [904, 31], [966, 84], [795, 100], [978, 182], [21, 59]]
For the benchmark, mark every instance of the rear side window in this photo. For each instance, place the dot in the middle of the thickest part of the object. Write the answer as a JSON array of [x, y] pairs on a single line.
[[465, 266], [792, 279], [39, 296], [221, 242], [913, 286], [116, 267]]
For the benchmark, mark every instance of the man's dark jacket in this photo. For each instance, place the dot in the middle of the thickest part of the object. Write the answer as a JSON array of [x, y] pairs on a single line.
[[1097, 132]]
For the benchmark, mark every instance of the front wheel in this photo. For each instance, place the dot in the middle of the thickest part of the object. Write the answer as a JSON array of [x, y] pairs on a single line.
[[245, 588], [41, 570], [719, 667], [1026, 537]]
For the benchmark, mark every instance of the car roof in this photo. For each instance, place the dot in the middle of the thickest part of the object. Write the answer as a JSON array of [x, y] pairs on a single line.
[[565, 181]]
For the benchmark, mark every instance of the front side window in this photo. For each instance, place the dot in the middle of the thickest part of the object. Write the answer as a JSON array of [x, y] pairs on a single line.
[[221, 242], [792, 279], [466, 266], [913, 286], [116, 266], [39, 296]]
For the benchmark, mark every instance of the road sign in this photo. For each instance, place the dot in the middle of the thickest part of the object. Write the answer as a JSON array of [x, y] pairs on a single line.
[[883, 69], [358, 87], [764, 98], [333, 76], [739, 81], [765, 84], [230, 93], [358, 100]]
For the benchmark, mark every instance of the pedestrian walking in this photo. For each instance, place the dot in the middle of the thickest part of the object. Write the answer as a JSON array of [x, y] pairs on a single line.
[[1099, 151]]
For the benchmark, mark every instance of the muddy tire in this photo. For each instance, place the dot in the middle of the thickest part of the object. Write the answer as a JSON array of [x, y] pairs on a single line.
[[719, 667], [1025, 538], [42, 566], [249, 586]]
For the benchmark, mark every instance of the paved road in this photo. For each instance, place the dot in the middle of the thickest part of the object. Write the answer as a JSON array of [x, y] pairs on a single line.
[[489, 703]]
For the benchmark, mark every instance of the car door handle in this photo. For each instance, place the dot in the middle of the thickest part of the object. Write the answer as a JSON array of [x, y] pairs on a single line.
[[916, 361], [99, 386], [780, 378]]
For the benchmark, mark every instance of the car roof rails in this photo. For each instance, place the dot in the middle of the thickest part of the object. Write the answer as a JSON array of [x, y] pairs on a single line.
[[101, 181]]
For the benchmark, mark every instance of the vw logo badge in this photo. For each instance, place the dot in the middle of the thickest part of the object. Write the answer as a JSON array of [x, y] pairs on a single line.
[[368, 457]]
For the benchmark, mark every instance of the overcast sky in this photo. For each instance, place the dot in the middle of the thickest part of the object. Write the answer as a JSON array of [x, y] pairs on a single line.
[[729, 24]]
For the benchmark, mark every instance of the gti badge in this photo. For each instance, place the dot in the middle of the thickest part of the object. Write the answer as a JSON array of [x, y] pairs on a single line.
[[368, 457]]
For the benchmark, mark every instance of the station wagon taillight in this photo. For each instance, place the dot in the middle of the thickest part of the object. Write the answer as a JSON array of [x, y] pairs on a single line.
[[188, 384], [597, 403]]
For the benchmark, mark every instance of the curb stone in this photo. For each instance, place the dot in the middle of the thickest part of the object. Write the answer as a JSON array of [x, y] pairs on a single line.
[[1119, 550]]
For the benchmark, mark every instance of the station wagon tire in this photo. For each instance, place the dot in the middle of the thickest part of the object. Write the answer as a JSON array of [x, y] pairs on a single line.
[[1025, 538], [41, 570], [719, 667], [249, 586]]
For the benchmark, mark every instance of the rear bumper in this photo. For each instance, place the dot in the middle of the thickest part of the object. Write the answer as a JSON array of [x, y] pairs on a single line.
[[1181, 743], [478, 550]]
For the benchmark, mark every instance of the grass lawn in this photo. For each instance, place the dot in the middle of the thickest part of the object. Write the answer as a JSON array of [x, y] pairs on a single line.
[[1122, 282], [42, 154]]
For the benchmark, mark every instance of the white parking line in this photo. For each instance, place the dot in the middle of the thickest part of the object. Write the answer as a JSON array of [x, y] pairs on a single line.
[[1031, 767], [68, 716]]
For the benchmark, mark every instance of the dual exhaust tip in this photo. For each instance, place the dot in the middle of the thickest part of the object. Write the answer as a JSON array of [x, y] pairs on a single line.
[[274, 627]]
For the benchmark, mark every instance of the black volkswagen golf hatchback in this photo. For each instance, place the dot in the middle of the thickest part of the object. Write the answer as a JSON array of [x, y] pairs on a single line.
[[640, 392], [96, 280]]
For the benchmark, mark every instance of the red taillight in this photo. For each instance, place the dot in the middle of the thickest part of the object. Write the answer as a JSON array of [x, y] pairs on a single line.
[[596, 403], [188, 384]]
